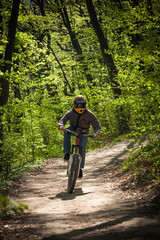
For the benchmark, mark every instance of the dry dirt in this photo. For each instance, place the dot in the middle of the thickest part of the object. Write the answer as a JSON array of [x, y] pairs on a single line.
[[106, 203]]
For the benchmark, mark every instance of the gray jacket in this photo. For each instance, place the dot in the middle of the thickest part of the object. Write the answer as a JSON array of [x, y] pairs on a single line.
[[81, 121]]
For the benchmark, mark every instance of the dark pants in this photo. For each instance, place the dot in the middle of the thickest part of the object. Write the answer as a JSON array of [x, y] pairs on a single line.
[[82, 144]]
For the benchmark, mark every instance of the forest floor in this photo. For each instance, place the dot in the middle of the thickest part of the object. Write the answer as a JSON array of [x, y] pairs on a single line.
[[106, 204]]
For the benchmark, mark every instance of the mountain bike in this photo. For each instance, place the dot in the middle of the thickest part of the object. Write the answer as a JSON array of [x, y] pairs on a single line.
[[74, 160]]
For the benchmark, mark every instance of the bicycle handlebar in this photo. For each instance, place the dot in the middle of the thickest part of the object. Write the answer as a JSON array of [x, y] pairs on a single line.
[[78, 134]]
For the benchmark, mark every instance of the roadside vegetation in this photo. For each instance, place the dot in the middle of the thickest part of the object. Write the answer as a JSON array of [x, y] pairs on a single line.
[[52, 50]]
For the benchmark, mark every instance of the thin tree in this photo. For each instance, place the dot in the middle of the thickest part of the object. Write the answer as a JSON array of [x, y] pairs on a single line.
[[4, 82], [107, 57], [40, 4], [8, 52], [75, 43]]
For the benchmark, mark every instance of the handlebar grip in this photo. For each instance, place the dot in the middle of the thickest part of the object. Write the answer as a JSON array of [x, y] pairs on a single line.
[[78, 134]]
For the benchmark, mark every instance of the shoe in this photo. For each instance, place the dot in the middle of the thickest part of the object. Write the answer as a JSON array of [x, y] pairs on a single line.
[[66, 156], [80, 173]]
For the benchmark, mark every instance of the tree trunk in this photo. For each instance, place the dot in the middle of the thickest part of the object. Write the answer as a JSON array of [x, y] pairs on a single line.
[[40, 4], [107, 57], [74, 40], [66, 82], [8, 52], [4, 83]]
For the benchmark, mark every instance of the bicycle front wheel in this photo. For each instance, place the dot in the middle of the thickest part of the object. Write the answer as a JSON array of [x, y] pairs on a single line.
[[73, 173]]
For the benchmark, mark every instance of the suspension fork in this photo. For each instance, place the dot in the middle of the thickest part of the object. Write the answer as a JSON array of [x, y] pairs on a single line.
[[76, 147], [77, 144]]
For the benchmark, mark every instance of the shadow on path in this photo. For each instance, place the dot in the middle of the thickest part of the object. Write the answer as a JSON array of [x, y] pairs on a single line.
[[66, 196], [139, 228]]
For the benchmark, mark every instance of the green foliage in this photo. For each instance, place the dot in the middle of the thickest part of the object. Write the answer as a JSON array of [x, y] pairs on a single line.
[[47, 73], [9, 206], [145, 162]]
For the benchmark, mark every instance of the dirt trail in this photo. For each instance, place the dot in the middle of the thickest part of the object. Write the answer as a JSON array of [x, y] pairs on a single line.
[[98, 209]]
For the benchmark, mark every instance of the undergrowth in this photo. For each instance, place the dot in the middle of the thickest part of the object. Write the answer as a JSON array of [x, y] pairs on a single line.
[[9, 206], [145, 162]]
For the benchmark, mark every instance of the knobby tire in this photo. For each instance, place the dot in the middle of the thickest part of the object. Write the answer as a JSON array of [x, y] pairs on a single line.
[[73, 173]]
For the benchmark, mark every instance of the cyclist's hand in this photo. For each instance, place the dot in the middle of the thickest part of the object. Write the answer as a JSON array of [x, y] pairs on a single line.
[[96, 135], [62, 128]]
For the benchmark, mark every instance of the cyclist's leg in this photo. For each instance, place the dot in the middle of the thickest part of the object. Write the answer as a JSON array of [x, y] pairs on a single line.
[[82, 150], [67, 141]]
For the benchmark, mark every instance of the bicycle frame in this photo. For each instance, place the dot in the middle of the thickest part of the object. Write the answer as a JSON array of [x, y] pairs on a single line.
[[78, 135], [76, 146], [74, 161]]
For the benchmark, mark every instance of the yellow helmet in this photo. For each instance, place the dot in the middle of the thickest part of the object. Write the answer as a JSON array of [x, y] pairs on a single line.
[[79, 104]]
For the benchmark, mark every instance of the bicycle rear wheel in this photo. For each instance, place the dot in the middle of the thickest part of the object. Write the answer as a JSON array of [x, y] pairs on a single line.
[[73, 173]]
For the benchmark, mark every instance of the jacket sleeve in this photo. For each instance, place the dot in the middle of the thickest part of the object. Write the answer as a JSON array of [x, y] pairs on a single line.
[[64, 119], [95, 124]]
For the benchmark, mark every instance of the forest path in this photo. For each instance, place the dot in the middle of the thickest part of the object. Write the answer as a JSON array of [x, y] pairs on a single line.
[[98, 209]]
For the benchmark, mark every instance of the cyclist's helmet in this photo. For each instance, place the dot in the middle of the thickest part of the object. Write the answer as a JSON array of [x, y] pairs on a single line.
[[79, 104]]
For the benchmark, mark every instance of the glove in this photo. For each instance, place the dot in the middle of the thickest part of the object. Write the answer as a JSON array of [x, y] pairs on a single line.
[[96, 135], [62, 128]]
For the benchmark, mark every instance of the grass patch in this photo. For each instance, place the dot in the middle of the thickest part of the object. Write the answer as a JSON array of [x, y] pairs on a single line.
[[145, 162]]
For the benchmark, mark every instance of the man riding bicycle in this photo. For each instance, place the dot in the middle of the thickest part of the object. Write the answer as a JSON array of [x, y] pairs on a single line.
[[80, 119]]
